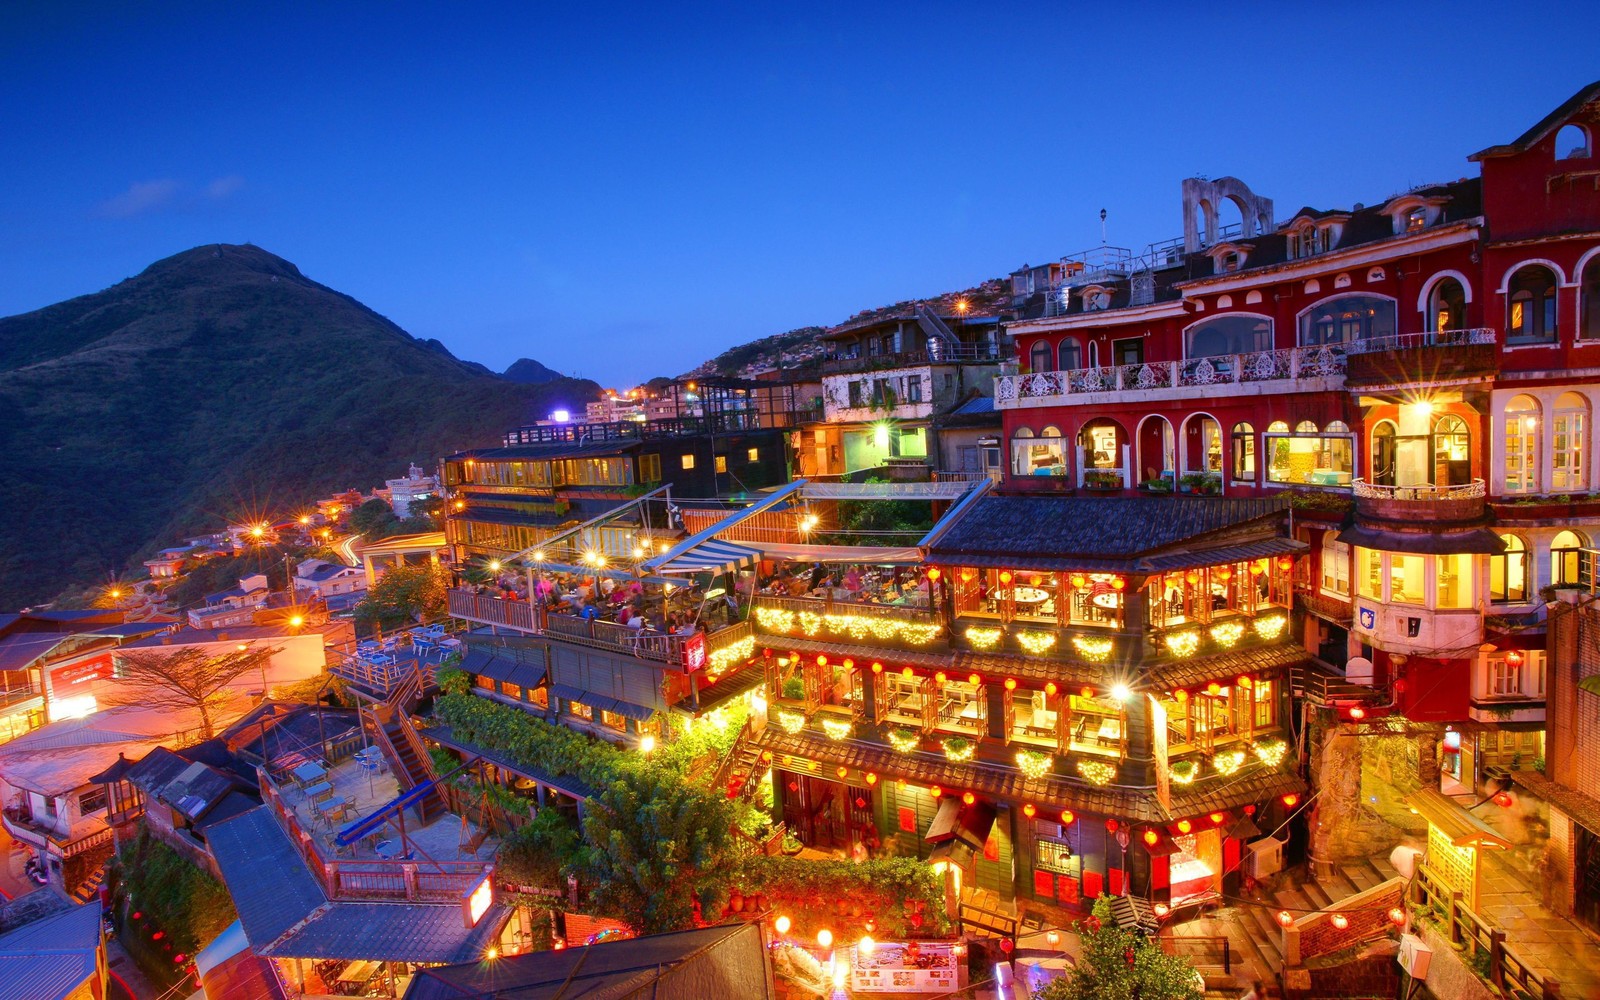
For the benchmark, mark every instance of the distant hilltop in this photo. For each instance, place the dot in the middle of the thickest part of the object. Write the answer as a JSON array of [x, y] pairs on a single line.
[[217, 381], [526, 371]]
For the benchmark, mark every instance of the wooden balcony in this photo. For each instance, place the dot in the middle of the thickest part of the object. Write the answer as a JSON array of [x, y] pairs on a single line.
[[1462, 503], [487, 610], [1422, 358]]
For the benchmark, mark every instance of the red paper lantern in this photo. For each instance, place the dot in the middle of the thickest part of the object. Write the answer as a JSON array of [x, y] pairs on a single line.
[[1503, 800], [1161, 909], [1213, 688], [934, 574], [1284, 562], [1249, 810], [1050, 688], [1291, 800], [872, 779], [849, 664], [1006, 945], [974, 679], [1011, 683], [1079, 581], [907, 672], [1191, 578], [841, 772], [1341, 921], [1357, 712], [1224, 574], [1005, 577], [935, 791], [1285, 918], [1152, 838], [822, 660], [1184, 826], [1028, 810], [1244, 680], [1397, 915], [1086, 692], [1118, 583], [969, 798], [877, 667], [766, 755], [939, 677], [1514, 658], [1111, 826], [1217, 818], [1181, 694], [158, 935], [1067, 817]]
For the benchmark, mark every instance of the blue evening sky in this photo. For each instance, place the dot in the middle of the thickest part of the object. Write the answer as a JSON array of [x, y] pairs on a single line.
[[624, 191]]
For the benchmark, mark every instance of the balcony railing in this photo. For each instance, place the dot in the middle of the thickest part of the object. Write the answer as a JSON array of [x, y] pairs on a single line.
[[937, 352], [1327, 361], [491, 610], [1415, 341], [1425, 492]]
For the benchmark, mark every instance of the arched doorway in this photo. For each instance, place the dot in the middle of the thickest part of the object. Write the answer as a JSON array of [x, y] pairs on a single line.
[[1157, 449]]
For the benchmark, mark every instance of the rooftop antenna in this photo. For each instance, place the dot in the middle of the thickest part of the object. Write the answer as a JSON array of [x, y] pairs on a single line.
[[1102, 227]]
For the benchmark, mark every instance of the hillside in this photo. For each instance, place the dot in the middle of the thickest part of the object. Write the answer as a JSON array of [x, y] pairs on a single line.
[[796, 347], [529, 372], [219, 381]]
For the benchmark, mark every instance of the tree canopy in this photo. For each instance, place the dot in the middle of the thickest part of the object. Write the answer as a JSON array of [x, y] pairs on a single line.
[[405, 595], [185, 678], [1122, 965]]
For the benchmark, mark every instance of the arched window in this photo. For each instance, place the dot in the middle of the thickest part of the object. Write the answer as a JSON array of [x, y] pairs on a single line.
[[1277, 427], [1522, 445], [1071, 354], [1572, 143], [1335, 564], [1447, 306], [1236, 334], [1037, 456], [1345, 319], [1589, 309], [1244, 452], [1094, 354], [1041, 358], [1508, 572], [1569, 430], [1452, 453], [1336, 427], [1531, 306], [1202, 444], [1383, 453], [1306, 427], [1567, 566], [1102, 442], [1309, 456], [1157, 451]]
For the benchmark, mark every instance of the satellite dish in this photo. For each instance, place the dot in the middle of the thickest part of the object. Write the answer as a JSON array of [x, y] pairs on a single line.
[[1358, 670]]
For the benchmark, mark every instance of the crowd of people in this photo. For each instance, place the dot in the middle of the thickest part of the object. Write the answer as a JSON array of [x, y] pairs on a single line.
[[854, 583]]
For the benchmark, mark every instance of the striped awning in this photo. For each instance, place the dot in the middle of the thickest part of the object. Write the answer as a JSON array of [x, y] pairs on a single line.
[[710, 556]]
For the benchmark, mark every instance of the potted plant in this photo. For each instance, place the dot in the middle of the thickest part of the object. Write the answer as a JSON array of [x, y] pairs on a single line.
[[1102, 479], [1157, 485], [1200, 482]]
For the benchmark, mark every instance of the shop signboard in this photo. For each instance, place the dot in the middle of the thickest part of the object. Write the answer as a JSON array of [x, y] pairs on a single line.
[[905, 967]]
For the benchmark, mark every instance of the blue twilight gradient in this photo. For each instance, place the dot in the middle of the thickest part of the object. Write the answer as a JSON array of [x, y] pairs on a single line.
[[623, 192]]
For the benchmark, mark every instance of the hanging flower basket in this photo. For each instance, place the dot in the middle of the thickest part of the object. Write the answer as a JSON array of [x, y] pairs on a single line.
[[959, 748]]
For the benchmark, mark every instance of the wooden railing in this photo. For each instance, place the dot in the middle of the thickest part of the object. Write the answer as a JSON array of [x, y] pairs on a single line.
[[375, 879], [610, 635], [492, 610], [828, 606], [1508, 972]]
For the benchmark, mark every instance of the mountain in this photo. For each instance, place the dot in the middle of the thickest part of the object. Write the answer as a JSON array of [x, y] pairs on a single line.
[[218, 383], [526, 371], [795, 348]]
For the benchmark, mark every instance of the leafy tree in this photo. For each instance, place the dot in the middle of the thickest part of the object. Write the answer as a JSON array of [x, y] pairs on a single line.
[[372, 519], [655, 844], [405, 594], [539, 853], [1122, 965], [187, 678], [176, 897]]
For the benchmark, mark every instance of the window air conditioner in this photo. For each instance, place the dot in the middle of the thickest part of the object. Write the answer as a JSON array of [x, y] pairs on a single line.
[[1265, 856]]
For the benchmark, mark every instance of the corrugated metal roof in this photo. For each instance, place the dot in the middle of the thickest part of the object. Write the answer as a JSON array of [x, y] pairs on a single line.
[[50, 958]]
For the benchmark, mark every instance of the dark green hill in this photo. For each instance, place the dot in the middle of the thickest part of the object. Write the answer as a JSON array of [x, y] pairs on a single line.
[[218, 382]]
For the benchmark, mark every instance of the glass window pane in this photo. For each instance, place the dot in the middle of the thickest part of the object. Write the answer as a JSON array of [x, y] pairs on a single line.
[[1406, 584], [1455, 581]]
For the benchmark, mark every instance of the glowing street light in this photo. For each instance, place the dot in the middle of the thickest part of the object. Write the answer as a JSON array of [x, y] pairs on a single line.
[[1120, 692], [494, 565], [781, 925]]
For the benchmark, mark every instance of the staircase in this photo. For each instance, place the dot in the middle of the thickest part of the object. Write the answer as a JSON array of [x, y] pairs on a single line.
[[742, 763], [935, 328], [392, 730]]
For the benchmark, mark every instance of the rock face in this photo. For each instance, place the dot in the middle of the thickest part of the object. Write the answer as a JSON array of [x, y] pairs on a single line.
[[218, 383], [1344, 827], [526, 371]]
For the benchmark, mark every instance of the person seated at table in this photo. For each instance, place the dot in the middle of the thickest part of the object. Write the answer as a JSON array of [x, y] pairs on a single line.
[[852, 580], [586, 591], [634, 618], [799, 586], [607, 585]]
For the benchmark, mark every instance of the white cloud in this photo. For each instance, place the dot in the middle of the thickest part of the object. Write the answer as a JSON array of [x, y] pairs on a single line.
[[222, 187], [141, 197]]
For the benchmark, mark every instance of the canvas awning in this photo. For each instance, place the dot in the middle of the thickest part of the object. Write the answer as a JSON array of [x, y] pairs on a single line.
[[710, 556], [887, 491], [873, 555]]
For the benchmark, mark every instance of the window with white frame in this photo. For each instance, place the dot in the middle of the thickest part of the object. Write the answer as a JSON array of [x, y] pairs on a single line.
[[1508, 572], [1516, 673], [1335, 566], [1244, 452], [1531, 306], [1570, 439], [963, 708], [1568, 568], [1522, 445]]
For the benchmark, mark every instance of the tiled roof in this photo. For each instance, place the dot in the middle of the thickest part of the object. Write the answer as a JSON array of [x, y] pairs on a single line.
[[1262, 661], [1544, 125], [285, 913], [1090, 532], [1050, 793]]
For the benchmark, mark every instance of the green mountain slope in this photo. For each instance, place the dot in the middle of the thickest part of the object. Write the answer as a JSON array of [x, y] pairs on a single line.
[[219, 382]]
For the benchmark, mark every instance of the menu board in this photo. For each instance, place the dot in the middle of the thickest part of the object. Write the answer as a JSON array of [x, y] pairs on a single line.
[[896, 967]]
